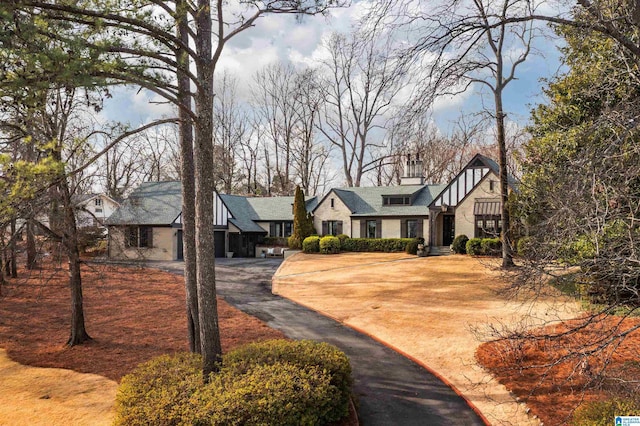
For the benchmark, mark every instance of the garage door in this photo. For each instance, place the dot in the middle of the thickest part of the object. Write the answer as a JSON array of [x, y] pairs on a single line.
[[218, 238]]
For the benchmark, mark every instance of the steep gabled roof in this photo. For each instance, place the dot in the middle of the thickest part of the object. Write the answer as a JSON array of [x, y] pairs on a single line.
[[152, 203], [469, 177], [368, 201], [246, 211]]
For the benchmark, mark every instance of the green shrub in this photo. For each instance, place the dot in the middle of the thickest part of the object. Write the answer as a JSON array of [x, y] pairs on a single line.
[[387, 245], [412, 246], [90, 237], [329, 245], [311, 244], [474, 246], [342, 238], [459, 245], [491, 246], [524, 246], [301, 353], [603, 413], [303, 382], [158, 391], [286, 392], [294, 242]]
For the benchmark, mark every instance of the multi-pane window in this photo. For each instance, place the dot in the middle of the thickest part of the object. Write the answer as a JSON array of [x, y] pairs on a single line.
[[396, 200], [412, 229], [281, 229], [488, 226], [371, 228], [332, 227], [139, 236], [97, 202]]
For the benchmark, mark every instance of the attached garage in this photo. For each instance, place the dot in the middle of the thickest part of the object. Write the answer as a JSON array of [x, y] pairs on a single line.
[[218, 239]]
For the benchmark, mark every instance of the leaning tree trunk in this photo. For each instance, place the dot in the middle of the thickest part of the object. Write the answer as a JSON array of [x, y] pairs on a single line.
[[205, 186], [188, 189]]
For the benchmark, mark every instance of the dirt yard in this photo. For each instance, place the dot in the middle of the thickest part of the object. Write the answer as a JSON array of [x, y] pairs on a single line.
[[435, 309], [133, 314]]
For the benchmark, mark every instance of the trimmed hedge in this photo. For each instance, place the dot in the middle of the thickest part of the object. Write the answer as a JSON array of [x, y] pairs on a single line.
[[288, 393], [491, 246], [484, 246], [412, 246], [297, 383], [342, 238], [158, 391], [387, 245], [603, 413], [459, 245], [301, 353], [311, 244], [474, 246], [329, 245]]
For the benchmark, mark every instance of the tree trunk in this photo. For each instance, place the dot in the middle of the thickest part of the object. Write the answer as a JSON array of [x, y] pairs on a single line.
[[31, 245], [507, 255], [78, 332], [205, 186], [188, 190], [12, 266]]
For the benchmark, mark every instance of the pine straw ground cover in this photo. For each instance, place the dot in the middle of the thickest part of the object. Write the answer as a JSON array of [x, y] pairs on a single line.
[[540, 374], [133, 314]]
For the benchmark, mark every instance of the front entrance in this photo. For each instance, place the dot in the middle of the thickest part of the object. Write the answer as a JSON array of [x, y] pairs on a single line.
[[448, 229]]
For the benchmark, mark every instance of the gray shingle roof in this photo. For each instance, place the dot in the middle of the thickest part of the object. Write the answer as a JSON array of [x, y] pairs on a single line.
[[152, 203], [243, 213], [367, 201], [246, 211]]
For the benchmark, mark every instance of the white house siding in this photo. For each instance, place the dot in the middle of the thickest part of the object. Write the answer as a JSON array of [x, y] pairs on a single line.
[[339, 212], [465, 219], [164, 245], [101, 212]]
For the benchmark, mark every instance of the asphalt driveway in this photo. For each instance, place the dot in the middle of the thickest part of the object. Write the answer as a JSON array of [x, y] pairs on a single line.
[[390, 389]]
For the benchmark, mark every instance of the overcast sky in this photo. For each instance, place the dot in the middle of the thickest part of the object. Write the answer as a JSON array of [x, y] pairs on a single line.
[[283, 38]]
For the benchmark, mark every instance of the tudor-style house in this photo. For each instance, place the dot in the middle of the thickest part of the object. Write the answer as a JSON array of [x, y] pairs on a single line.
[[148, 224], [469, 204]]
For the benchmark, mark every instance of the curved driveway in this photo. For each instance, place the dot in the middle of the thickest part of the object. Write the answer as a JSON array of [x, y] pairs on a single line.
[[390, 389]]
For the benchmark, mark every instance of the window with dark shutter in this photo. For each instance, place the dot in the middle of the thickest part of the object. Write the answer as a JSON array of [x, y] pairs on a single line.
[[338, 228], [379, 228], [325, 227], [363, 229], [403, 229]]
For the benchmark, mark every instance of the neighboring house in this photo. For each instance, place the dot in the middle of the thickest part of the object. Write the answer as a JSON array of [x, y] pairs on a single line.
[[93, 209], [148, 225], [469, 204]]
